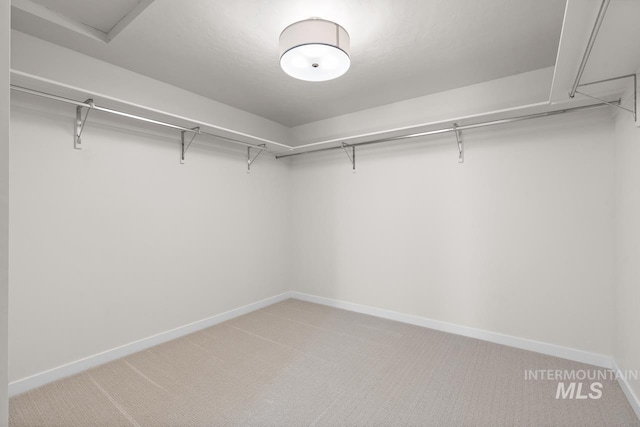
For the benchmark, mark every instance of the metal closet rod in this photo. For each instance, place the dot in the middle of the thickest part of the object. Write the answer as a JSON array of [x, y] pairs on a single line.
[[592, 39], [458, 128], [93, 106]]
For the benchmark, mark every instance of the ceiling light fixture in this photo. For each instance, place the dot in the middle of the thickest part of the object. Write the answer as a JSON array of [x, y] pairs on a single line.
[[314, 50]]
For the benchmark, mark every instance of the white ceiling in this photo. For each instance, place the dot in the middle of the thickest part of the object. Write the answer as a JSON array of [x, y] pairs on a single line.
[[400, 49]]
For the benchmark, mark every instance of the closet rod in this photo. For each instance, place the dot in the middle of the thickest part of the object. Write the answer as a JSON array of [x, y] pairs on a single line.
[[457, 128], [131, 116], [592, 40]]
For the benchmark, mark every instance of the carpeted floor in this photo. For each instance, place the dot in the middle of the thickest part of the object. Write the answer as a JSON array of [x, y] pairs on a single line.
[[301, 364]]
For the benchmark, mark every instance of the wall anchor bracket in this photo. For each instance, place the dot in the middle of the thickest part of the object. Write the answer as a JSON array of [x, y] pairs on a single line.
[[185, 146], [80, 122], [617, 105], [352, 156], [460, 143], [250, 161]]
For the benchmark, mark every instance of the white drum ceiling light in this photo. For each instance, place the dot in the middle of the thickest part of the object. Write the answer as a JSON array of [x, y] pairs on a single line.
[[314, 50]]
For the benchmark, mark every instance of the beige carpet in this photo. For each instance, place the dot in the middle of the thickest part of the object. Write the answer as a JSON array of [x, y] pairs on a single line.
[[301, 364]]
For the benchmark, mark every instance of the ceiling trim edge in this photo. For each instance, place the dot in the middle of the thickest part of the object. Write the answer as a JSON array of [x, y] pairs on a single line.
[[42, 13]]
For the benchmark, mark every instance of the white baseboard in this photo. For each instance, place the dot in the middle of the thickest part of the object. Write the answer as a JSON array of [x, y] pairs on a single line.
[[599, 360], [626, 388], [42, 378]]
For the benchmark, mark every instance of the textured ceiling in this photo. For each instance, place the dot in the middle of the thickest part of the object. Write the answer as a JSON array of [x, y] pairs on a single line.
[[400, 49]]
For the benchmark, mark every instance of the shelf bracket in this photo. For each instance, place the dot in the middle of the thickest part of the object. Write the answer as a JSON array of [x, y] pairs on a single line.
[[352, 156], [185, 146], [617, 105], [250, 161], [80, 122], [460, 143]]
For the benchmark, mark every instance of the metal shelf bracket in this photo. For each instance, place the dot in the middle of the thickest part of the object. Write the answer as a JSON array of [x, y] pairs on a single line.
[[617, 105], [460, 143], [260, 148], [77, 136], [352, 156], [185, 146]]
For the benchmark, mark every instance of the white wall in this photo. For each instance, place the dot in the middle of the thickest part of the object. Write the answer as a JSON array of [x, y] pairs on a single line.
[[627, 194], [516, 240], [5, 46], [119, 241]]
